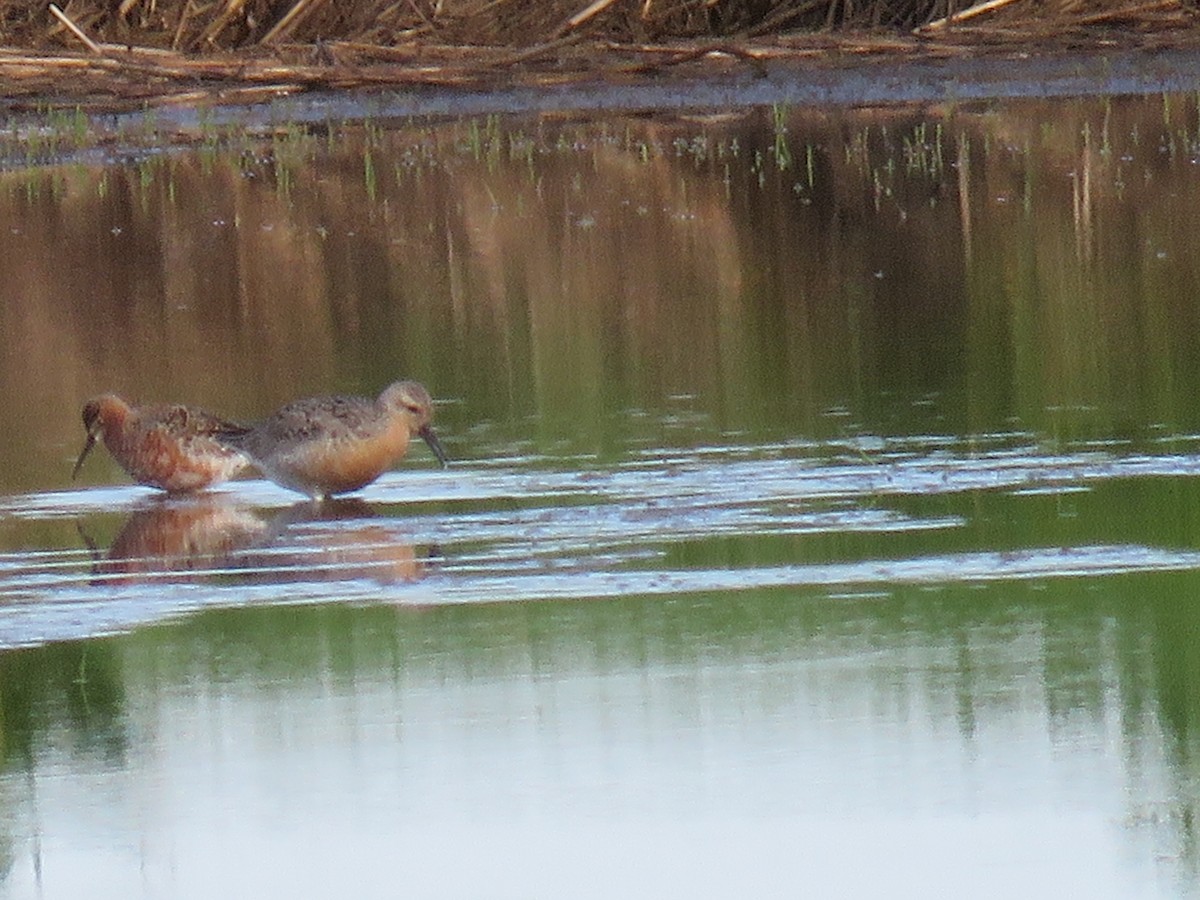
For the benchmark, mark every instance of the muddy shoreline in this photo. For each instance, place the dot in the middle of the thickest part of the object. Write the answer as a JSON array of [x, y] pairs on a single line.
[[810, 71]]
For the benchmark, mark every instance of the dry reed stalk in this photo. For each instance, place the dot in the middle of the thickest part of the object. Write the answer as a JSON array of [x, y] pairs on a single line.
[[590, 11], [292, 19], [233, 8], [1127, 12], [830, 17], [969, 13], [420, 13], [125, 49], [754, 57], [530, 53], [779, 19], [177, 37], [75, 30], [47, 64], [407, 53]]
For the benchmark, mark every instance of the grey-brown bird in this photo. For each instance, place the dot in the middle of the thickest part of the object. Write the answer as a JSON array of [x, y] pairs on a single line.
[[323, 446]]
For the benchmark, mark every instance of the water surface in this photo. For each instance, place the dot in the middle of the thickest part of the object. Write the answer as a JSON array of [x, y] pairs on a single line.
[[823, 515]]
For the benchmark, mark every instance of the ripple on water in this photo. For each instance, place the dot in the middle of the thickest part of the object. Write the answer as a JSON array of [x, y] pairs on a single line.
[[124, 557]]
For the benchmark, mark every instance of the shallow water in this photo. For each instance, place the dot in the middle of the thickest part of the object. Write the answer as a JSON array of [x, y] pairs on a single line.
[[823, 515]]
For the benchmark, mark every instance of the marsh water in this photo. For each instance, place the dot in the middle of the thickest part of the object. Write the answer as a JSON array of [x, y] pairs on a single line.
[[823, 517]]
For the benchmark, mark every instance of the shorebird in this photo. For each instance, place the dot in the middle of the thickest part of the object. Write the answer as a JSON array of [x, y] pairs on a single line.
[[323, 446], [167, 447]]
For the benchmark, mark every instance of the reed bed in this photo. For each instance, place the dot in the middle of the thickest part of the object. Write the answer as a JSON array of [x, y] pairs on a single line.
[[176, 50]]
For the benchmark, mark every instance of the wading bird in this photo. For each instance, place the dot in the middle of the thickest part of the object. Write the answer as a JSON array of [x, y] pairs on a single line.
[[323, 446], [167, 447]]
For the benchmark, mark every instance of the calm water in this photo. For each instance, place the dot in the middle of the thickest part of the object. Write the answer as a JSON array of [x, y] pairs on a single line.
[[824, 517]]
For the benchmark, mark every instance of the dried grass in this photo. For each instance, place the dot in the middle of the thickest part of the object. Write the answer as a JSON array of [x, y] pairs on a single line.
[[221, 25], [158, 49]]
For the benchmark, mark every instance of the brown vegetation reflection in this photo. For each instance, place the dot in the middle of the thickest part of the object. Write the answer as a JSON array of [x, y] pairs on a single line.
[[774, 274]]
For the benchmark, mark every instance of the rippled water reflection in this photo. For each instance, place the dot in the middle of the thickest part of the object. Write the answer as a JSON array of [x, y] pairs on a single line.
[[671, 525], [823, 515]]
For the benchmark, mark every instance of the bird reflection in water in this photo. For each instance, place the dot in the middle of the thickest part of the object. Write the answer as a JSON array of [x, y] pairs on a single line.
[[190, 538], [334, 540], [213, 538]]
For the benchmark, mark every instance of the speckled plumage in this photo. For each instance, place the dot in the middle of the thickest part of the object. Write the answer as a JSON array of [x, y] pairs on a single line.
[[323, 446], [172, 448]]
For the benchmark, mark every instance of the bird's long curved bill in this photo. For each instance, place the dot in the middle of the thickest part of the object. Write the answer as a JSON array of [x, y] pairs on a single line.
[[435, 445], [87, 448]]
